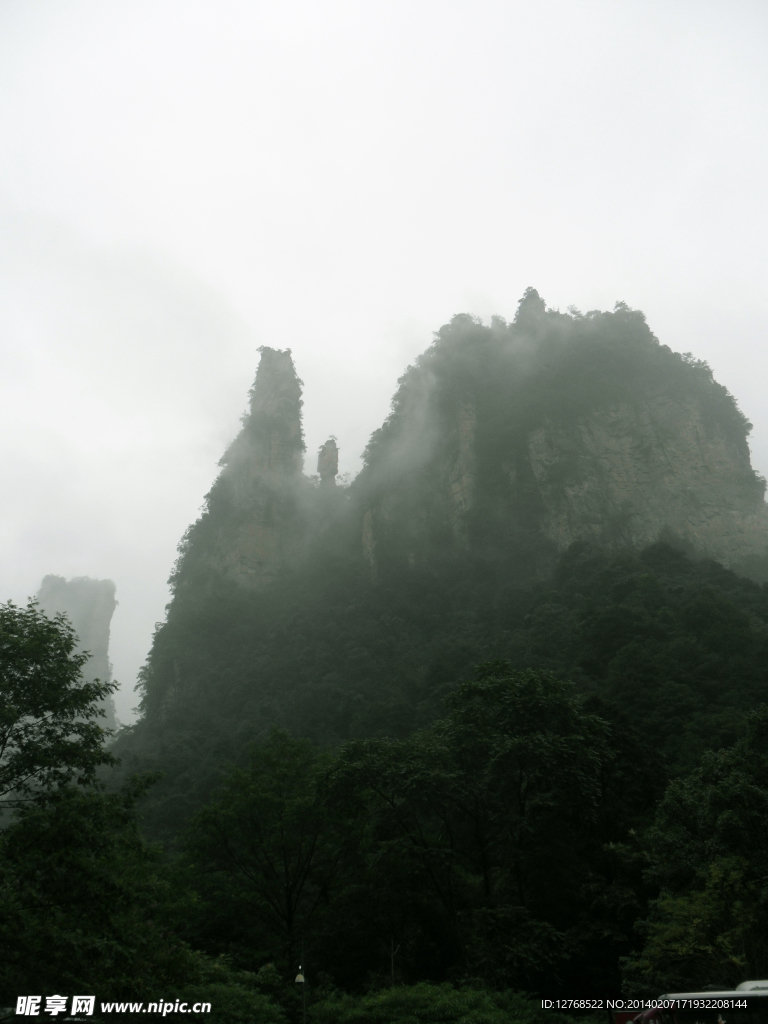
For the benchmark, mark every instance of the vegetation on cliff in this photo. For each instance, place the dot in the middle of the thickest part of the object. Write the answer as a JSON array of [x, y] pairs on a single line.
[[409, 735], [553, 374], [435, 560], [658, 659]]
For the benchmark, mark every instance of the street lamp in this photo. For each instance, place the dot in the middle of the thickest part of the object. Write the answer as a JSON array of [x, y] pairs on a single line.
[[300, 981]]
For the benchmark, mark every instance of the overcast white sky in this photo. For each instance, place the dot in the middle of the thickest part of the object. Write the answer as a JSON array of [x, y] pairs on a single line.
[[182, 181]]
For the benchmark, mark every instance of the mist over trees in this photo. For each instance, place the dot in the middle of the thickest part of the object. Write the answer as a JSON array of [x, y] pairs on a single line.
[[487, 722]]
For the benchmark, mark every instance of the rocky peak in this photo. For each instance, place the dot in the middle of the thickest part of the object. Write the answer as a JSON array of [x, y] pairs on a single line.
[[253, 521], [271, 443], [328, 463], [518, 440], [89, 606]]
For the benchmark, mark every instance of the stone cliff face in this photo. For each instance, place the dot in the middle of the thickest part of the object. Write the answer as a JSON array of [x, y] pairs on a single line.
[[89, 605], [555, 429], [631, 475], [463, 472]]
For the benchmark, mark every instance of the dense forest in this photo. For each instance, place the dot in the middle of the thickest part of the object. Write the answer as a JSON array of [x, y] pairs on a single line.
[[448, 773]]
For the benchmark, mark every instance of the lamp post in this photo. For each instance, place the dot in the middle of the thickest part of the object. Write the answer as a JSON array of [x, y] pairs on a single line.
[[300, 981]]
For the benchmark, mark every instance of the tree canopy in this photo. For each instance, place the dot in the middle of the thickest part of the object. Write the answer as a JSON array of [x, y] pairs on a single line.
[[49, 730]]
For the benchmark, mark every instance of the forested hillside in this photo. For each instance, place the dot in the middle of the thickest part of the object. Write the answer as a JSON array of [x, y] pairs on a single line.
[[491, 720], [483, 526]]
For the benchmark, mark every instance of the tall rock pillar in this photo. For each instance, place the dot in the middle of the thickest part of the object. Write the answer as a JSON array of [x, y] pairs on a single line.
[[254, 503], [89, 605], [328, 463]]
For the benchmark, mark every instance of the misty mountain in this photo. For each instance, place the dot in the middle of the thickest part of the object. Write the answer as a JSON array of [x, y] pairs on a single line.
[[560, 492]]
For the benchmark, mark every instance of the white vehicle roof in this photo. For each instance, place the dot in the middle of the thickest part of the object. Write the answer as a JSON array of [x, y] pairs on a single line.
[[755, 988]]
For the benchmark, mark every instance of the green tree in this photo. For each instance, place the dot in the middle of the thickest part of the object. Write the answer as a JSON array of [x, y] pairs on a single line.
[[708, 855], [490, 826], [87, 906], [83, 900], [49, 733], [266, 853]]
